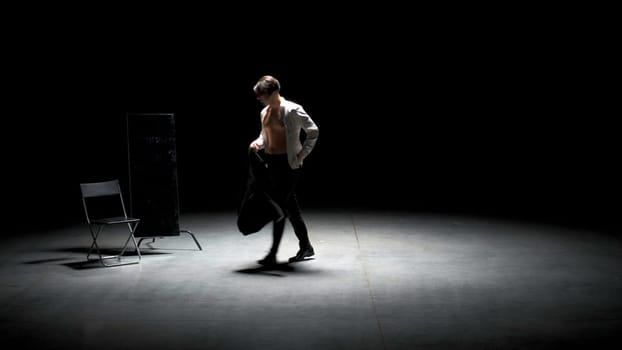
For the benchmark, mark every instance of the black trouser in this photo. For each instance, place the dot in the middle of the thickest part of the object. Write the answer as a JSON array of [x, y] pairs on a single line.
[[283, 182]]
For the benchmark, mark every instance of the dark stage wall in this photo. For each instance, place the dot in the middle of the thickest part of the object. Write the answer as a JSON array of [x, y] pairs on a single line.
[[462, 129]]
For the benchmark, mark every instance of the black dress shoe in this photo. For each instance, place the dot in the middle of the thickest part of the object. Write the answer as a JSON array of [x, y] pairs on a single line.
[[269, 260], [302, 254]]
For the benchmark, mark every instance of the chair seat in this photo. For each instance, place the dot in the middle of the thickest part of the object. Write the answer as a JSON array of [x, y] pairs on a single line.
[[114, 220]]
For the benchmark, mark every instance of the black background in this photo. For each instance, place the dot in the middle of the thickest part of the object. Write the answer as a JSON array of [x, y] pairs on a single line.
[[475, 117]]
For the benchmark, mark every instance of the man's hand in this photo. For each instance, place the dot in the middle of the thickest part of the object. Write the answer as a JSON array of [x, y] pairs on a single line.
[[254, 146]]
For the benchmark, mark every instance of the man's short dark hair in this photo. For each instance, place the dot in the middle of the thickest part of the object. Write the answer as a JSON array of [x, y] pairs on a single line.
[[267, 85]]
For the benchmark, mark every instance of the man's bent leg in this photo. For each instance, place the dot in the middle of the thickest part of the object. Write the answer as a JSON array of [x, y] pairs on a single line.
[[300, 229], [295, 217], [277, 234]]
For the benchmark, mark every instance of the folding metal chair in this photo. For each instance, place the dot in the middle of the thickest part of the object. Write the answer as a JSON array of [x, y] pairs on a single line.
[[94, 194]]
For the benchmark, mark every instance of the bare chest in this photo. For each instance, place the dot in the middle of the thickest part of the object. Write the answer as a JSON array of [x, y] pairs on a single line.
[[273, 119]]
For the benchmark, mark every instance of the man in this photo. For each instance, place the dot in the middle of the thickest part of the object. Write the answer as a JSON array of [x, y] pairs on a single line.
[[279, 140]]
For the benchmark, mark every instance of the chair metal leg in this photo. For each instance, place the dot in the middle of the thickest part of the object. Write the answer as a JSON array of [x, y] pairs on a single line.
[[118, 264], [95, 235], [132, 229], [136, 245]]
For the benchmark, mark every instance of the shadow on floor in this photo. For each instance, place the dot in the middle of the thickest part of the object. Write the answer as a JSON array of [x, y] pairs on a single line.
[[96, 264], [273, 270], [109, 251], [86, 264]]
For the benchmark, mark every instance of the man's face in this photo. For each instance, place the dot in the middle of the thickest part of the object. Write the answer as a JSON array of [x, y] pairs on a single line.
[[264, 98]]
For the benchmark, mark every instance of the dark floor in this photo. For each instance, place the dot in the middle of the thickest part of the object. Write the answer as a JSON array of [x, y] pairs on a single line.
[[378, 281]]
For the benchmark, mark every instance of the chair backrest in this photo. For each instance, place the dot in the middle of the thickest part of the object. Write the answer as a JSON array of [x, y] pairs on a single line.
[[98, 189], [101, 189]]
